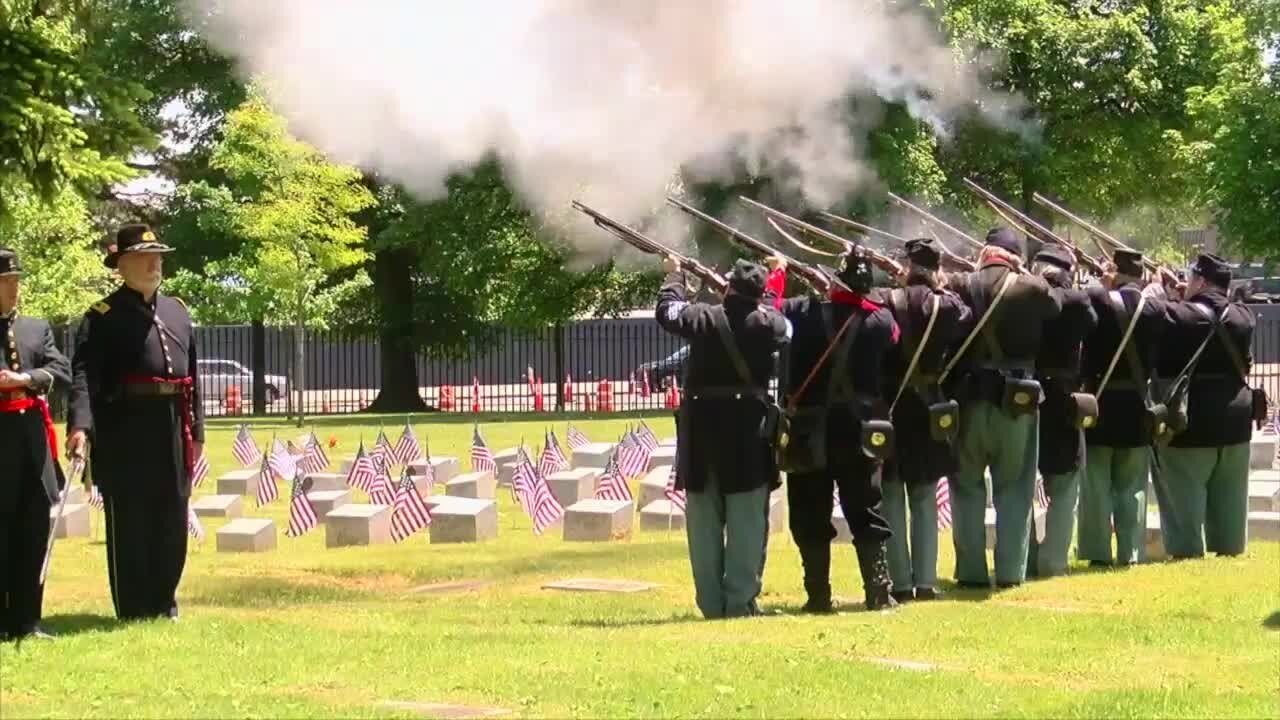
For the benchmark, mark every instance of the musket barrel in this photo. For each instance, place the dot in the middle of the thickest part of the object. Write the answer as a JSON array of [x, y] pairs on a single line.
[[1042, 200], [859, 226], [798, 223], [935, 220]]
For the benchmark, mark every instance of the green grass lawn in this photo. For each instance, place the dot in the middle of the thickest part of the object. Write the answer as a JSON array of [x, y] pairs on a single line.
[[309, 632]]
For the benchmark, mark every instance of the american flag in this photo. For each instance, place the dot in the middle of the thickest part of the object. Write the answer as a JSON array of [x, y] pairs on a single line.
[[575, 438], [201, 470], [302, 516], [407, 449], [551, 461], [535, 496], [646, 437], [380, 492], [678, 498], [411, 514], [613, 486], [943, 495], [95, 498], [481, 456], [428, 470], [267, 490], [281, 461], [382, 448], [292, 449], [633, 456], [523, 481], [561, 457], [194, 528], [1042, 496], [315, 459], [244, 448], [362, 471]]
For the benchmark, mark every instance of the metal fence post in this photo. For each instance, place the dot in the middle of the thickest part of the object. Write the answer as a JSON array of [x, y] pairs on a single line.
[[558, 348], [258, 349]]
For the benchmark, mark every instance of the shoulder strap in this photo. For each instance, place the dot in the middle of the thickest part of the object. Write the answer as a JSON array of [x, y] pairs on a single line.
[[915, 357], [1124, 341], [1232, 352], [1190, 367], [822, 360], [721, 321], [982, 321]]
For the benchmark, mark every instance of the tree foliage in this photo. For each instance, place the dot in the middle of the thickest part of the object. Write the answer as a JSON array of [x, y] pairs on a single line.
[[58, 245], [297, 252]]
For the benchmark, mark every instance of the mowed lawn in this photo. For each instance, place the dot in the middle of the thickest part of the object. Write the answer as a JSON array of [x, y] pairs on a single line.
[[388, 631]]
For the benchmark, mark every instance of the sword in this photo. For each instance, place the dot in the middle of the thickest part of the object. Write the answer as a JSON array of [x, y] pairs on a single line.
[[77, 470]]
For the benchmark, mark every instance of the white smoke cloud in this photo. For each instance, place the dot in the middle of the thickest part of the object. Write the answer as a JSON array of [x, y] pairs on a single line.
[[607, 101]]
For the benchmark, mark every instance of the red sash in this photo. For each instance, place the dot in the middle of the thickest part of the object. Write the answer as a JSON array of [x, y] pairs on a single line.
[[184, 402], [39, 403]]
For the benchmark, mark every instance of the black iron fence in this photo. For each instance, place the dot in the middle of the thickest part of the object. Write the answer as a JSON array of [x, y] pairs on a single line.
[[588, 365]]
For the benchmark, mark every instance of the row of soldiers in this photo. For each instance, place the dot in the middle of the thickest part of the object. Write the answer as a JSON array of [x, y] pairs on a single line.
[[134, 407], [1007, 372]]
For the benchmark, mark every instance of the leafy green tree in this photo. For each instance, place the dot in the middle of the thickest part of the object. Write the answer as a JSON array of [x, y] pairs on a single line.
[[300, 251], [1235, 145]]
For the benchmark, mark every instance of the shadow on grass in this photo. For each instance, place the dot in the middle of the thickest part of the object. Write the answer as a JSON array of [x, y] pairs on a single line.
[[269, 593], [1272, 622], [69, 625], [638, 622], [433, 417]]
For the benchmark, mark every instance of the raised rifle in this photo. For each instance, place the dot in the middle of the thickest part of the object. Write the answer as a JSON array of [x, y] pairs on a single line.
[[955, 260], [884, 262], [1016, 218], [936, 221], [1098, 234], [813, 275], [648, 245]]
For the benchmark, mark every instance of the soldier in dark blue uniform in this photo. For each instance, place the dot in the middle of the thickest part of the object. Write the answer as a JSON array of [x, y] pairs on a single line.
[[919, 459], [1061, 435], [727, 462], [29, 473], [830, 400], [135, 393]]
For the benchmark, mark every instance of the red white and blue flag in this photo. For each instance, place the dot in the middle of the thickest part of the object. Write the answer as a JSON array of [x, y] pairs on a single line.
[[282, 462], [481, 456], [943, 497], [613, 486], [201, 470], [575, 438], [302, 514], [362, 471], [267, 489], [244, 448], [678, 498], [561, 456], [541, 505], [380, 492], [646, 437], [315, 459], [1042, 496], [411, 514], [382, 448], [632, 455], [551, 461], [407, 449], [194, 528]]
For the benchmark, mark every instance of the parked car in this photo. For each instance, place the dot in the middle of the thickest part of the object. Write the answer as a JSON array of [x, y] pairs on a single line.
[[218, 375]]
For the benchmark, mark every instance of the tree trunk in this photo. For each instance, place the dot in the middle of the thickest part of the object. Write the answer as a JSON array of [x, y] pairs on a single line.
[[398, 371]]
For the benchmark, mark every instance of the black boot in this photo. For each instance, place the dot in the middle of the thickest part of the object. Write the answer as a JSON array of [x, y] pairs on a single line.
[[816, 560], [875, 575]]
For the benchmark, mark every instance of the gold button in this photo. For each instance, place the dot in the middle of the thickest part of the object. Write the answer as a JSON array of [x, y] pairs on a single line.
[[877, 439], [945, 421]]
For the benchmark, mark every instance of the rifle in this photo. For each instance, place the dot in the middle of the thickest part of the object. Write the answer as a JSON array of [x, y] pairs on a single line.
[[810, 274], [886, 263], [955, 260], [958, 233], [1019, 218], [647, 245], [1097, 233]]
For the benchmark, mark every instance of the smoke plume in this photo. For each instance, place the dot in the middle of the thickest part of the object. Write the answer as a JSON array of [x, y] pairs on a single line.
[[611, 102]]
